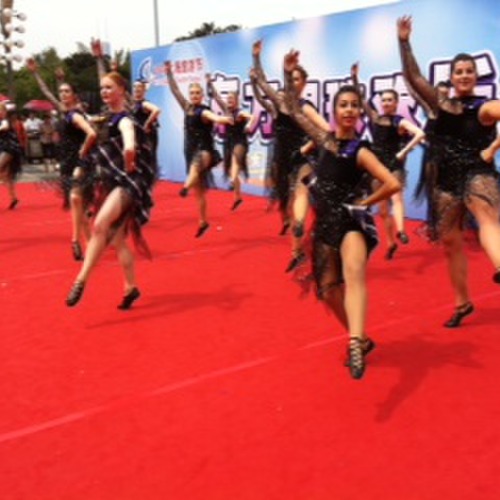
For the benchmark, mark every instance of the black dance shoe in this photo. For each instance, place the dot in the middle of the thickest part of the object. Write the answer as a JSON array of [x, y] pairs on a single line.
[[75, 294], [367, 347], [13, 204], [391, 251], [403, 237], [460, 313], [356, 358], [129, 299], [236, 204], [496, 276], [284, 229], [298, 230], [295, 262], [183, 192], [77, 250], [202, 229]]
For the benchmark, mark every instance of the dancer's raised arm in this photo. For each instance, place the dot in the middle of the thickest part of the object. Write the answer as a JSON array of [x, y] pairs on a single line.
[[369, 111], [33, 67], [411, 70], [183, 102]]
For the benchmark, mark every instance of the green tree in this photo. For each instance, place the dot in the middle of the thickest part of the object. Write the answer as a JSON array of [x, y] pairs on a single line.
[[207, 29], [79, 68]]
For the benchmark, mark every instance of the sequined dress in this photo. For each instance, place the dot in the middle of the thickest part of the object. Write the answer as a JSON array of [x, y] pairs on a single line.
[[235, 135], [198, 137], [338, 181], [110, 163], [9, 143], [461, 173]]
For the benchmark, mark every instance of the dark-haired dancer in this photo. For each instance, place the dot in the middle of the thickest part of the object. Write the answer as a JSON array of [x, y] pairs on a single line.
[[466, 179], [10, 156], [291, 147], [199, 147], [125, 160], [276, 184], [76, 137], [146, 113], [235, 139], [390, 132], [344, 232]]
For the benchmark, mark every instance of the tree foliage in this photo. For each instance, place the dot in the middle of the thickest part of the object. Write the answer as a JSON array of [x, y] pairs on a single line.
[[80, 70], [207, 29]]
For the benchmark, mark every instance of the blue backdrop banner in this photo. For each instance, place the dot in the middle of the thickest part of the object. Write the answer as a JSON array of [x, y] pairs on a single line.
[[328, 46]]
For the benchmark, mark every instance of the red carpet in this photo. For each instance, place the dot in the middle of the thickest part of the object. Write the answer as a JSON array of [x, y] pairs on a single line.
[[224, 382]]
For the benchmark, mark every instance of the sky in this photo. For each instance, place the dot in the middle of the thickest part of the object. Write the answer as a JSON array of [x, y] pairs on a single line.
[[130, 25]]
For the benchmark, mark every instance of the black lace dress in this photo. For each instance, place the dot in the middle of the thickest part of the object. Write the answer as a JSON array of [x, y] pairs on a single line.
[[387, 141], [136, 186], [235, 135], [289, 137], [461, 173], [68, 147], [427, 175], [141, 115], [198, 137], [338, 181], [9, 143]]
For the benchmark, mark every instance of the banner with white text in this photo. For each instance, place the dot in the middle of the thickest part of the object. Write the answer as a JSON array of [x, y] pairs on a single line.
[[328, 46]]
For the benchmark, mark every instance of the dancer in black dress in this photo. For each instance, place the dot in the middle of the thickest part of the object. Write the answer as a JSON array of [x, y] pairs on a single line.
[[466, 179], [290, 150], [390, 133], [427, 175], [276, 186], [126, 162], [344, 232], [146, 113], [10, 156], [199, 148], [235, 147], [76, 138]]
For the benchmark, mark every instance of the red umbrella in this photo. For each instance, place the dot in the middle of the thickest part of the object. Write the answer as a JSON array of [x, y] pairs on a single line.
[[39, 105], [4, 98]]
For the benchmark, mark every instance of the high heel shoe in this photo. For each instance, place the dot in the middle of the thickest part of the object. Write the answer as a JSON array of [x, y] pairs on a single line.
[[284, 228], [202, 229], [77, 250], [298, 230], [129, 299], [75, 294], [295, 262], [391, 251], [496, 276], [236, 204], [356, 358], [13, 204], [403, 237], [460, 313], [367, 346]]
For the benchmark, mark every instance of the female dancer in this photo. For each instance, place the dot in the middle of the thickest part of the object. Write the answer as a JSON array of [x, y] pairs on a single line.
[[126, 161], [235, 139], [10, 156], [390, 145], [146, 113], [199, 148], [272, 177], [427, 170], [344, 231], [466, 179], [76, 139], [291, 148]]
